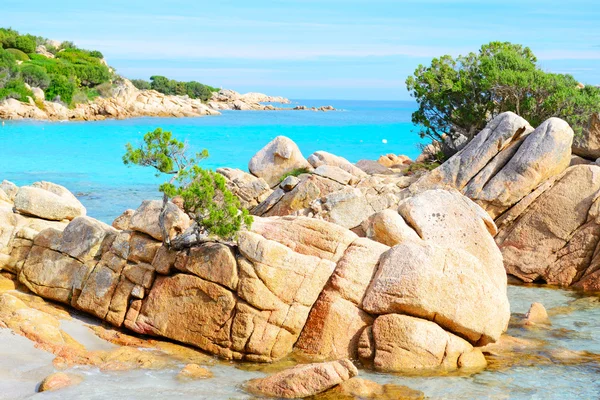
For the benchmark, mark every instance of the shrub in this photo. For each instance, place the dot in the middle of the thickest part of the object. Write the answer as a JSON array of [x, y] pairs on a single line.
[[15, 89], [18, 54], [206, 199], [104, 89], [35, 75], [96, 54], [141, 84], [61, 88], [26, 44], [295, 172], [8, 67], [195, 90], [459, 96]]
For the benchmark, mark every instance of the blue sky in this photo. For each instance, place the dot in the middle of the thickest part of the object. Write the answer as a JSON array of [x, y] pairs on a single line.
[[327, 49]]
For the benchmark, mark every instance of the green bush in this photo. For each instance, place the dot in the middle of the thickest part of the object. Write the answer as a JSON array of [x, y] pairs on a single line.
[[26, 44], [295, 172], [195, 90], [141, 84], [206, 199], [461, 95], [60, 88], [18, 54], [96, 54], [35, 75], [15, 89], [8, 67]]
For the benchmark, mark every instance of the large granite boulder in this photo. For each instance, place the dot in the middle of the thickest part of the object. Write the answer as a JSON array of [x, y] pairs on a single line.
[[505, 162], [249, 189], [303, 380], [554, 239], [400, 343], [587, 144], [48, 201], [277, 158], [320, 158]]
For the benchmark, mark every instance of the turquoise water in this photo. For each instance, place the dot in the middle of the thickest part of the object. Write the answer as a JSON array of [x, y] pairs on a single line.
[[86, 156]]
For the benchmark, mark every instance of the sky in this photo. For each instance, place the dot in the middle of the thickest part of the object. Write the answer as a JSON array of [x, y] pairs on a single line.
[[309, 49]]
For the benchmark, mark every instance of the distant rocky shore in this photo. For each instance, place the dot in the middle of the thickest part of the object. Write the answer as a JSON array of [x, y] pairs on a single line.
[[129, 102]]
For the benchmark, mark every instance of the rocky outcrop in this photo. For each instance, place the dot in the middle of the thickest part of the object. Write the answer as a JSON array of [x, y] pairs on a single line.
[[277, 158], [289, 283], [249, 189], [544, 201], [48, 201], [587, 144], [303, 380]]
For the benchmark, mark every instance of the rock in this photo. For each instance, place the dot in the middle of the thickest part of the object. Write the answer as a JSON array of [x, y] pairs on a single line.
[[145, 219], [555, 237], [537, 315], [587, 144], [347, 207], [303, 380], [545, 152], [337, 319], [84, 237], [278, 157], [389, 228], [193, 372], [300, 198], [213, 262], [41, 50], [306, 236], [319, 158], [48, 201], [249, 189], [334, 173], [289, 183], [10, 189], [38, 94], [59, 380], [359, 388], [440, 284], [372, 167], [394, 161], [123, 220], [399, 343]]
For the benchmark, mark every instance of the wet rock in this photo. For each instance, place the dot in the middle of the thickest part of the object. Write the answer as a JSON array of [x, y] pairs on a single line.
[[193, 372], [399, 343], [59, 380], [537, 315], [277, 158], [359, 388], [303, 380]]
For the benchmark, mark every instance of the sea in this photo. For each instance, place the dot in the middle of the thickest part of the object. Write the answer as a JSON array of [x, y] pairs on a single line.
[[86, 157]]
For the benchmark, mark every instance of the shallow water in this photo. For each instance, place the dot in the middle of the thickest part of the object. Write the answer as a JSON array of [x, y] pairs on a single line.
[[86, 156], [23, 365]]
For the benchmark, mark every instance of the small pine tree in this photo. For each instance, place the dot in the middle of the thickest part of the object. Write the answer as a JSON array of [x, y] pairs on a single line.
[[214, 209]]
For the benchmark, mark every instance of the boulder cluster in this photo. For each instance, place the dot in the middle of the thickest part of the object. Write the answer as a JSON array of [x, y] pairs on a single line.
[[395, 270]]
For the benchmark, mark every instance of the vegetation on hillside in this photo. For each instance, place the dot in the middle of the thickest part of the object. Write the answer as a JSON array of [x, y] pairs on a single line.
[[216, 212], [193, 89], [459, 96], [73, 75]]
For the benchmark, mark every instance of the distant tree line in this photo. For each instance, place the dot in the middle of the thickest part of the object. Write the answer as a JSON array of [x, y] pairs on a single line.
[[193, 89]]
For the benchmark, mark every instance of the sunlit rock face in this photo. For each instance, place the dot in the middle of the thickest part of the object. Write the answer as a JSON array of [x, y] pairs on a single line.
[[289, 283]]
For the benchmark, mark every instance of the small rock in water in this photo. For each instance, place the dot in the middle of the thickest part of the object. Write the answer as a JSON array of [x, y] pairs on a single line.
[[59, 380], [537, 315], [303, 380], [194, 371], [359, 388]]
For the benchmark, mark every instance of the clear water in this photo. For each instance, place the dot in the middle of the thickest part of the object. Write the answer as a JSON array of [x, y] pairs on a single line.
[[86, 156], [578, 315]]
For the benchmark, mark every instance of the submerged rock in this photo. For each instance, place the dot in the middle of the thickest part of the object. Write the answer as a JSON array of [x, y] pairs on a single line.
[[303, 380], [59, 380]]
